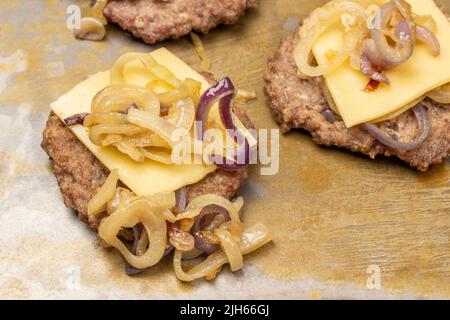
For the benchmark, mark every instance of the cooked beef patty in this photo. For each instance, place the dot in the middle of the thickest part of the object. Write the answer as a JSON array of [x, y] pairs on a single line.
[[80, 174], [299, 103], [156, 20]]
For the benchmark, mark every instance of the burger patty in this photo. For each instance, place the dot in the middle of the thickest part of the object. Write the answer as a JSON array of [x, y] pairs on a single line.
[[156, 20], [299, 103], [80, 174]]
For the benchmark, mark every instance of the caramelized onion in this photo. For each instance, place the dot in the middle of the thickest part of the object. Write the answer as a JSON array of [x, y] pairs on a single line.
[[222, 89], [98, 203], [201, 52], [189, 88], [112, 118], [223, 92], [441, 94], [424, 128], [318, 22], [154, 123], [404, 34], [140, 243], [231, 248], [180, 239], [427, 36], [375, 39], [426, 21], [252, 239], [372, 85], [76, 119], [181, 196], [90, 29], [210, 212], [406, 11], [118, 98], [329, 115], [182, 114], [372, 53], [157, 231]]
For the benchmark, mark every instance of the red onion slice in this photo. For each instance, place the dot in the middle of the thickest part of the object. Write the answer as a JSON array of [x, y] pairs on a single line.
[[424, 128], [329, 115], [129, 269], [374, 73], [239, 160], [372, 86], [225, 113], [181, 197], [222, 89], [372, 53], [242, 158], [210, 212], [426, 36], [76, 119], [404, 44], [223, 92]]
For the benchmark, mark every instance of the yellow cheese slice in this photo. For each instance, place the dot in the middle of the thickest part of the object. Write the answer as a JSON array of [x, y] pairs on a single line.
[[144, 178], [421, 74]]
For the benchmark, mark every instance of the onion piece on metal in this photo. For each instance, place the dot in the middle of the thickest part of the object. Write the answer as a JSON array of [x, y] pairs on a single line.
[[426, 36], [201, 52], [424, 128], [210, 212]]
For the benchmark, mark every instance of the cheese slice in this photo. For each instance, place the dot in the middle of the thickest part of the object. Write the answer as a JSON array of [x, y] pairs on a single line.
[[144, 178], [409, 81]]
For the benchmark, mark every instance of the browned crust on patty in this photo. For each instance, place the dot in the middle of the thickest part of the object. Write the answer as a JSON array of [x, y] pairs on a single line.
[[155, 20], [298, 103]]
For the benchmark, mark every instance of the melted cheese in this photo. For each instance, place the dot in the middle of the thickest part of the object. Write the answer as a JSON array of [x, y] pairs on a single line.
[[421, 74], [144, 178]]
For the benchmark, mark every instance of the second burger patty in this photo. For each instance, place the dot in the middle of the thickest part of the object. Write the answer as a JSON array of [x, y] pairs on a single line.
[[156, 20], [299, 103]]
